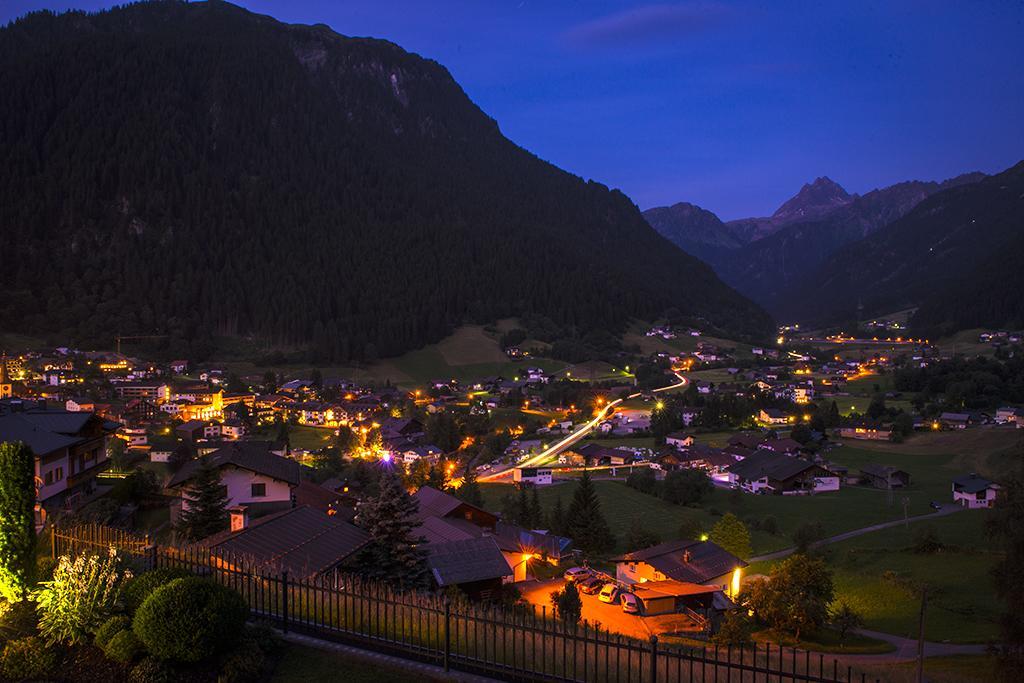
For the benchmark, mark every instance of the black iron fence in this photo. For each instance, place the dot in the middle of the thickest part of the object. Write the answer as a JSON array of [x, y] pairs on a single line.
[[515, 644]]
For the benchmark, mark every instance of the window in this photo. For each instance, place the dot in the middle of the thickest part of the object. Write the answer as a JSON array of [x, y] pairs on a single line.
[[259, 490]]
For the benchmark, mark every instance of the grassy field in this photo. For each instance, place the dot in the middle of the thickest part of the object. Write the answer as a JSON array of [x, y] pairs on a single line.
[[848, 509], [962, 669], [962, 606], [470, 352]]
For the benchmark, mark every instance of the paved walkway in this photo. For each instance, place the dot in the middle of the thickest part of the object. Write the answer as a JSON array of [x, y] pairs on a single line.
[[947, 509], [417, 671], [906, 649]]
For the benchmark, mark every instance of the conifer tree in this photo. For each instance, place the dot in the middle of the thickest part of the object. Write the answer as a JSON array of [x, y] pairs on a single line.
[[585, 523], [469, 492], [393, 553], [556, 520], [206, 513], [17, 519], [536, 511]]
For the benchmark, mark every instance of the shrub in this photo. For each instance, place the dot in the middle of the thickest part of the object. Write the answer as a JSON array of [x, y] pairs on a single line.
[[80, 597], [265, 637], [246, 662], [190, 619], [124, 647], [18, 619], [140, 588], [44, 568], [153, 670], [110, 628], [27, 659]]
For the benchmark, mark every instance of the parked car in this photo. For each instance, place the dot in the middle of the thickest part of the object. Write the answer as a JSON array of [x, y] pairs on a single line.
[[630, 603], [576, 574], [936, 505], [609, 593], [591, 585]]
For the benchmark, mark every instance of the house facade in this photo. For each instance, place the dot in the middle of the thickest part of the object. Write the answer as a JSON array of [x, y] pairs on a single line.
[[973, 491]]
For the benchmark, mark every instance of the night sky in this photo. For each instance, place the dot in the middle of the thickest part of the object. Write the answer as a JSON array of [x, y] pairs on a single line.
[[732, 106]]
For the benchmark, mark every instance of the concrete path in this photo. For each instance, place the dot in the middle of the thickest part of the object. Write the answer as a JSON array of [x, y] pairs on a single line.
[[906, 649], [947, 509]]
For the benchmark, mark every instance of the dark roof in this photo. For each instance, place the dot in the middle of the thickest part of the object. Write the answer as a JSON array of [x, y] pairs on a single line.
[[686, 560], [434, 503], [466, 561], [750, 441], [972, 483], [517, 539], [881, 471], [254, 456], [782, 445], [444, 530], [770, 464], [303, 541], [14, 427]]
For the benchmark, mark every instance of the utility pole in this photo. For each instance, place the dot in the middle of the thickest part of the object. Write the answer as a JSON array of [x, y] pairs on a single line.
[[906, 518], [920, 635]]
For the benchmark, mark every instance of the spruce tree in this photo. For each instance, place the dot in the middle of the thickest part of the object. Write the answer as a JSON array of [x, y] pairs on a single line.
[[394, 553], [469, 492], [206, 513], [585, 523], [556, 520], [536, 511], [17, 519]]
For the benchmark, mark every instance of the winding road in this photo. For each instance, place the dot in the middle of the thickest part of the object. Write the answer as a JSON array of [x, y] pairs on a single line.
[[545, 456]]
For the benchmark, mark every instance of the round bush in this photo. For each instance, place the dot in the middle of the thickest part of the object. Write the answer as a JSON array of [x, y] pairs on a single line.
[[140, 588], [110, 628], [124, 647], [27, 659], [188, 620], [153, 670]]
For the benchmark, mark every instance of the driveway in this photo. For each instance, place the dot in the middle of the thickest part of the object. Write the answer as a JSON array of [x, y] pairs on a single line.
[[609, 616]]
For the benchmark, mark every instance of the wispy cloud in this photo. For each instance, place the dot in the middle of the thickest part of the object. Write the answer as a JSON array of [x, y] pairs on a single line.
[[647, 24]]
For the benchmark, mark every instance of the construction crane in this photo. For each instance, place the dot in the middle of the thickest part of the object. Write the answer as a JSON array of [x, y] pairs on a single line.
[[143, 336]]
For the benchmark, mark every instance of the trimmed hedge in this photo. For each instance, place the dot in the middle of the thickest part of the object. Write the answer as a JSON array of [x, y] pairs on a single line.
[[153, 670], [124, 647], [190, 619], [110, 628], [140, 588]]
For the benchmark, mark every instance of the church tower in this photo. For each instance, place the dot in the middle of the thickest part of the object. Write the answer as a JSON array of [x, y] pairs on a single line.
[[6, 388]]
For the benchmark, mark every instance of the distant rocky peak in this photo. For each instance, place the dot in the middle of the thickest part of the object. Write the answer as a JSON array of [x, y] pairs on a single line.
[[813, 199]]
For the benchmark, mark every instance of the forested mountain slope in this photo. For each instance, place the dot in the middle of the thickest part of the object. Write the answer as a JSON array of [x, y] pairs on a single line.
[[198, 170], [956, 255]]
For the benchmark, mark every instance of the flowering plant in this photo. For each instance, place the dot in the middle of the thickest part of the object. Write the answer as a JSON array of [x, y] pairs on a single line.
[[82, 595]]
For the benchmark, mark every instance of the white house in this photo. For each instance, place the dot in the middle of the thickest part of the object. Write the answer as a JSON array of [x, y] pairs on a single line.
[[973, 491], [679, 439], [251, 474], [532, 475]]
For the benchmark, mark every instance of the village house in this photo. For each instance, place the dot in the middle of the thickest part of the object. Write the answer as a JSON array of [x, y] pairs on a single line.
[[197, 430], [158, 392], [698, 565], [768, 472], [302, 541], [539, 476], [884, 476], [955, 420], [679, 439], [70, 449], [251, 474], [773, 417], [865, 431], [973, 491]]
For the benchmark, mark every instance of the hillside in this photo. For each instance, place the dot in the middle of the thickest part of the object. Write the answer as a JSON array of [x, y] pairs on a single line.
[[199, 171], [956, 255], [777, 252]]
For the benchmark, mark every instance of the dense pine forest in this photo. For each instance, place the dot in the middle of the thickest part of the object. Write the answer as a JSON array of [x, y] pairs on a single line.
[[199, 171]]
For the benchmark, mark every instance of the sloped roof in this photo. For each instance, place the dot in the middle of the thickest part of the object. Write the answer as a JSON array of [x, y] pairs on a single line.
[[466, 561], [14, 427], [686, 560], [444, 530], [669, 588], [303, 541], [434, 503], [972, 483], [770, 464], [517, 539], [254, 456]]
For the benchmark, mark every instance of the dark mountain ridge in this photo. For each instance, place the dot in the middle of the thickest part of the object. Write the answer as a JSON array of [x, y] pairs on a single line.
[[955, 255], [782, 249], [198, 170]]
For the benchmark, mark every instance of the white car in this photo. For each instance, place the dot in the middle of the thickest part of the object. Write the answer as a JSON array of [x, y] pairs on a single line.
[[630, 603], [609, 593], [576, 574]]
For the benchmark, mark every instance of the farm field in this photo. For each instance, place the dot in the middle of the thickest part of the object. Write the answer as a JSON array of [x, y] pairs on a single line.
[[873, 574]]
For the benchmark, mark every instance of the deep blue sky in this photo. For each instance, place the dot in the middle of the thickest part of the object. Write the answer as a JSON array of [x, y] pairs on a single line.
[[732, 106]]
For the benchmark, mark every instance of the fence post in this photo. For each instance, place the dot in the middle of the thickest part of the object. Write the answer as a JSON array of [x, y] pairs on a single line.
[[447, 633], [284, 601], [654, 659], [53, 541], [152, 556]]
